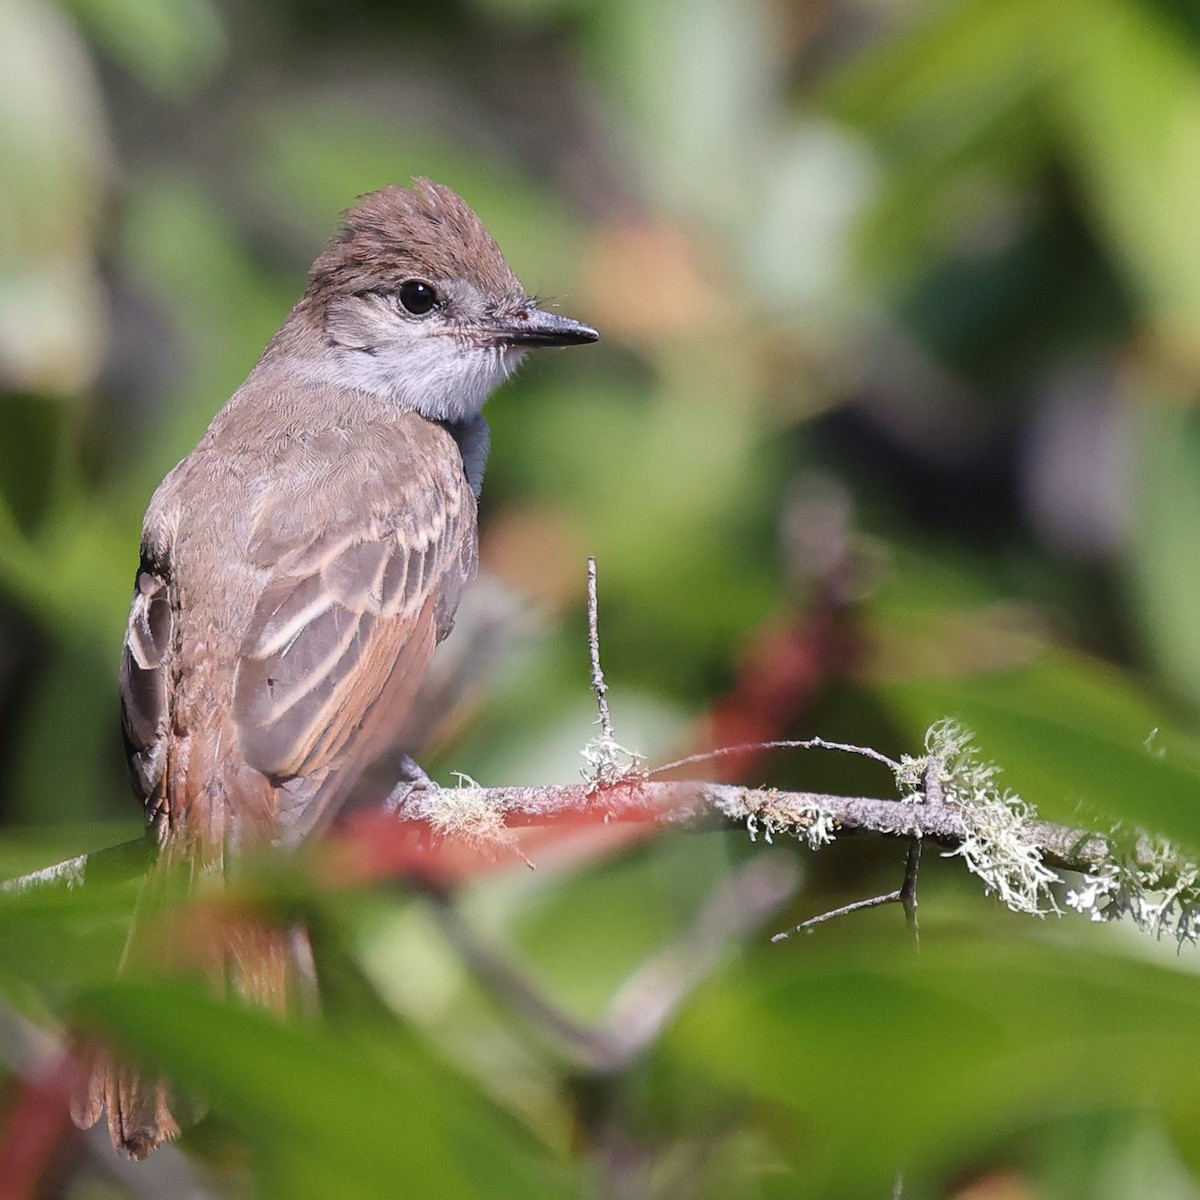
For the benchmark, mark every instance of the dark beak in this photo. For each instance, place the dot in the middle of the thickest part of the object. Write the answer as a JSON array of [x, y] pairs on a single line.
[[533, 327]]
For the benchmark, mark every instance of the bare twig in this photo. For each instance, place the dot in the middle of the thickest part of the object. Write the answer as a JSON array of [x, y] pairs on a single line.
[[608, 762], [907, 894], [815, 743], [844, 911], [598, 684]]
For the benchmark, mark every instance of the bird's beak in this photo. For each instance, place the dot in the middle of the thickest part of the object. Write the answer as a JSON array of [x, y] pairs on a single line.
[[535, 327]]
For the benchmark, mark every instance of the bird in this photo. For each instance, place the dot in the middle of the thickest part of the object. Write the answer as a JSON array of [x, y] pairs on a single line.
[[299, 567]]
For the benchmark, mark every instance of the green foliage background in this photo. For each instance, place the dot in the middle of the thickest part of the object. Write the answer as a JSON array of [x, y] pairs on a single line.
[[901, 315]]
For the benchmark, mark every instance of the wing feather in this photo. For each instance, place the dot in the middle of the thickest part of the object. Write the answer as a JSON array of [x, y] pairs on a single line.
[[144, 716], [285, 610], [358, 592]]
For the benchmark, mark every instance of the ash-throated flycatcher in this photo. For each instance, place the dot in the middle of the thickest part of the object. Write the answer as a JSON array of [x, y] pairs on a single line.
[[300, 565]]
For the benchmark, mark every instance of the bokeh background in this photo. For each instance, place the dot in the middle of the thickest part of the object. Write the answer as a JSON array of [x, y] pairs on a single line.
[[893, 418]]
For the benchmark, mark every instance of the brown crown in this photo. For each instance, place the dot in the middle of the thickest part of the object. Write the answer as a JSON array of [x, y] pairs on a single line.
[[423, 232]]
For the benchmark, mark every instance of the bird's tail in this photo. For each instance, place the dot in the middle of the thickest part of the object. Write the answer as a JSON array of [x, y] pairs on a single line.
[[185, 926]]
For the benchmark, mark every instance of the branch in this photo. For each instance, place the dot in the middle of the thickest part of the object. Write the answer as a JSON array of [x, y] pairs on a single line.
[[479, 815], [696, 805], [113, 863]]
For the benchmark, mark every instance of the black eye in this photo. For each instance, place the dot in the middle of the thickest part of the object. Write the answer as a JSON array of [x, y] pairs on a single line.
[[419, 298]]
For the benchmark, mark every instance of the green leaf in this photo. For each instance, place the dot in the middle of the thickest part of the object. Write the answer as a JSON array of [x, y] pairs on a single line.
[[959, 72], [1165, 563], [951, 105], [1129, 103], [1076, 738], [869, 1057], [172, 45], [327, 1114]]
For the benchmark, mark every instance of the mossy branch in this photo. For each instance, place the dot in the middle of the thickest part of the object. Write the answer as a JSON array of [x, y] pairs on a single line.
[[478, 813], [949, 797], [699, 805]]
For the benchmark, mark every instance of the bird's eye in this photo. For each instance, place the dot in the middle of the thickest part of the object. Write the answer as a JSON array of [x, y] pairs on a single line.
[[417, 297]]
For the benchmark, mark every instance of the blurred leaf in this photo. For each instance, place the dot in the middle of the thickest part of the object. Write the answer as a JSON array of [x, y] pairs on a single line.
[[959, 73], [188, 253], [1130, 103], [533, 10], [56, 939], [588, 937], [54, 159], [321, 1111], [1075, 738], [29, 848], [798, 251], [172, 45], [1113, 1156], [29, 457], [1165, 563], [67, 761], [877, 1059], [697, 81], [951, 107], [673, 493]]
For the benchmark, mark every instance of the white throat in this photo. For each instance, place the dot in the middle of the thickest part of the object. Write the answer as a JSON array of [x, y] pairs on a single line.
[[441, 377], [433, 367]]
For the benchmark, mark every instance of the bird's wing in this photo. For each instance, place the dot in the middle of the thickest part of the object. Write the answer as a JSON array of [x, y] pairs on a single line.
[[149, 637], [364, 550]]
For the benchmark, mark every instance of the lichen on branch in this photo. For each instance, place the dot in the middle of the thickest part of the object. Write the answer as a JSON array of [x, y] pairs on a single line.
[[1000, 845]]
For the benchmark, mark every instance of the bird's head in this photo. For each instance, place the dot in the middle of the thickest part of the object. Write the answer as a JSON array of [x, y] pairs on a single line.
[[412, 299]]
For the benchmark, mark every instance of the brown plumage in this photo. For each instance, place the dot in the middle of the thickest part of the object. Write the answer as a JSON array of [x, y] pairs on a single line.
[[381, 237], [298, 569]]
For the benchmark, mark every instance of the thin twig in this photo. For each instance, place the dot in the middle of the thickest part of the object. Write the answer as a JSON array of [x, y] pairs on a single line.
[[598, 684], [844, 911], [908, 889], [906, 894], [931, 793], [816, 743]]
